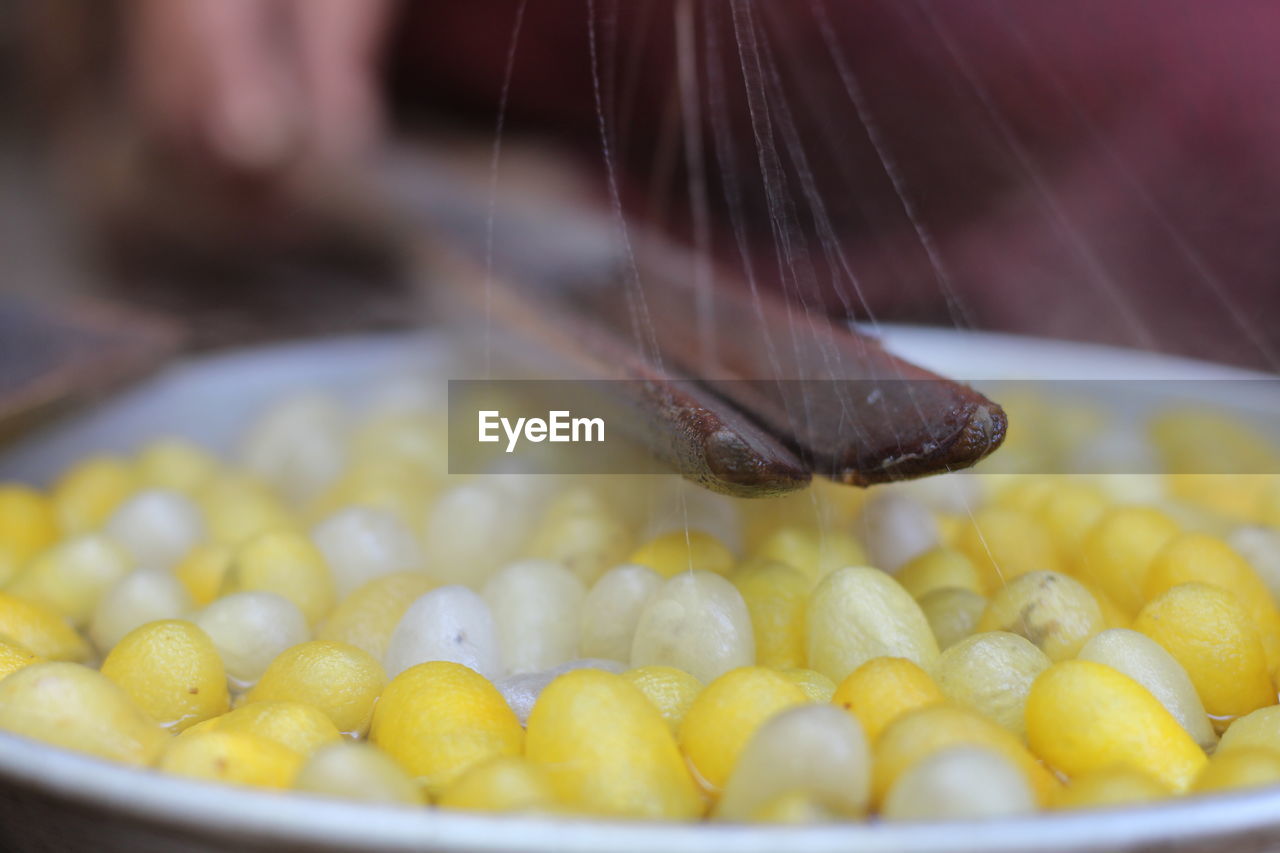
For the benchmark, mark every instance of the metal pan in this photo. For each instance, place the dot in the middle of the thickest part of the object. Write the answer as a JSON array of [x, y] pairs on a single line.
[[56, 800]]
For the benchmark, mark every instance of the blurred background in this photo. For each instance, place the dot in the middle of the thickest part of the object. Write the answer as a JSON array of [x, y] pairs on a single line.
[[1105, 170]]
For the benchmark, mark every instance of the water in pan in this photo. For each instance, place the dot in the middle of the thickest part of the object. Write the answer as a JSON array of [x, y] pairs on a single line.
[[217, 385]]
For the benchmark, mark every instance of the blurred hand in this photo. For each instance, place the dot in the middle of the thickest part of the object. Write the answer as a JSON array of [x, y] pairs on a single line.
[[257, 87]]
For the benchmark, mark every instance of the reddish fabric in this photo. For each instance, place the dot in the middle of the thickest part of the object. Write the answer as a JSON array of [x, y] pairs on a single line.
[[1100, 169]]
